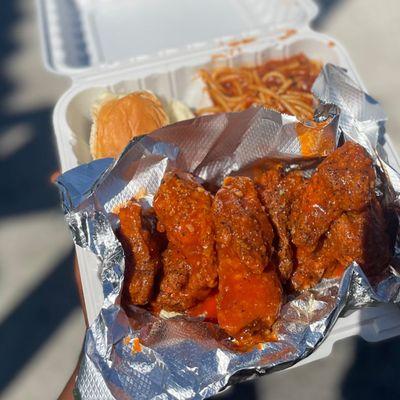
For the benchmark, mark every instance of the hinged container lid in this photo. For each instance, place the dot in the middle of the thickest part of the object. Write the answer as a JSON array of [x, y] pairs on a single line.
[[80, 35]]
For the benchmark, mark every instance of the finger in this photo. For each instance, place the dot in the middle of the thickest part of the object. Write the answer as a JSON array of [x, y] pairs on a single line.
[[68, 391]]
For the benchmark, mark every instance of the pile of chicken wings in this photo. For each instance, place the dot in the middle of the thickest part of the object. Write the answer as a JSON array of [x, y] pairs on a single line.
[[253, 241]]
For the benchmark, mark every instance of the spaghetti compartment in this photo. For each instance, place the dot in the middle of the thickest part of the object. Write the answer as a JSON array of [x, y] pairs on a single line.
[[282, 85]]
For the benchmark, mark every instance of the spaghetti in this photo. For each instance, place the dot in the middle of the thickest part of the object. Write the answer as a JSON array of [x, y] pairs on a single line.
[[282, 85]]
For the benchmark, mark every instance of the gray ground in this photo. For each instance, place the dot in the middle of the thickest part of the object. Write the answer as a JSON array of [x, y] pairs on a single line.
[[36, 366]]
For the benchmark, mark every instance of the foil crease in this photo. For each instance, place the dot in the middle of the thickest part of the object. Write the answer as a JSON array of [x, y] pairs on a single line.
[[361, 117], [146, 357]]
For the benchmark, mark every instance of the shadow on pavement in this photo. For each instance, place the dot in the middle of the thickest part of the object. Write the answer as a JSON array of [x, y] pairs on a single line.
[[25, 187], [25, 174], [375, 371], [245, 390], [36, 318], [325, 8]]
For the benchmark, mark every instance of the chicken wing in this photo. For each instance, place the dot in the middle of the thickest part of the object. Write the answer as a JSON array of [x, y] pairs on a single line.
[[250, 293], [354, 236], [183, 208], [277, 193], [339, 220], [312, 266], [359, 237], [344, 181], [142, 254]]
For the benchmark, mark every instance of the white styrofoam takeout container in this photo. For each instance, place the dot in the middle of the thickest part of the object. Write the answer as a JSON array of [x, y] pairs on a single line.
[[159, 45]]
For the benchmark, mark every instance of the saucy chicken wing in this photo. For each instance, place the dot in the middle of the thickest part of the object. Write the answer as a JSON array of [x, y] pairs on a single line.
[[278, 192], [354, 236], [339, 220], [250, 293], [359, 237], [312, 266], [344, 181], [183, 209], [142, 253]]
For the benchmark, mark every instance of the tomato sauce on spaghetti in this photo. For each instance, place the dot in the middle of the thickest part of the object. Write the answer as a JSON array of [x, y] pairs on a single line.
[[282, 85]]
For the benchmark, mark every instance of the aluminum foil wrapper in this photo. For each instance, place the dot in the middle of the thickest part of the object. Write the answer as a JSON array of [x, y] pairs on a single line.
[[361, 117], [147, 357]]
